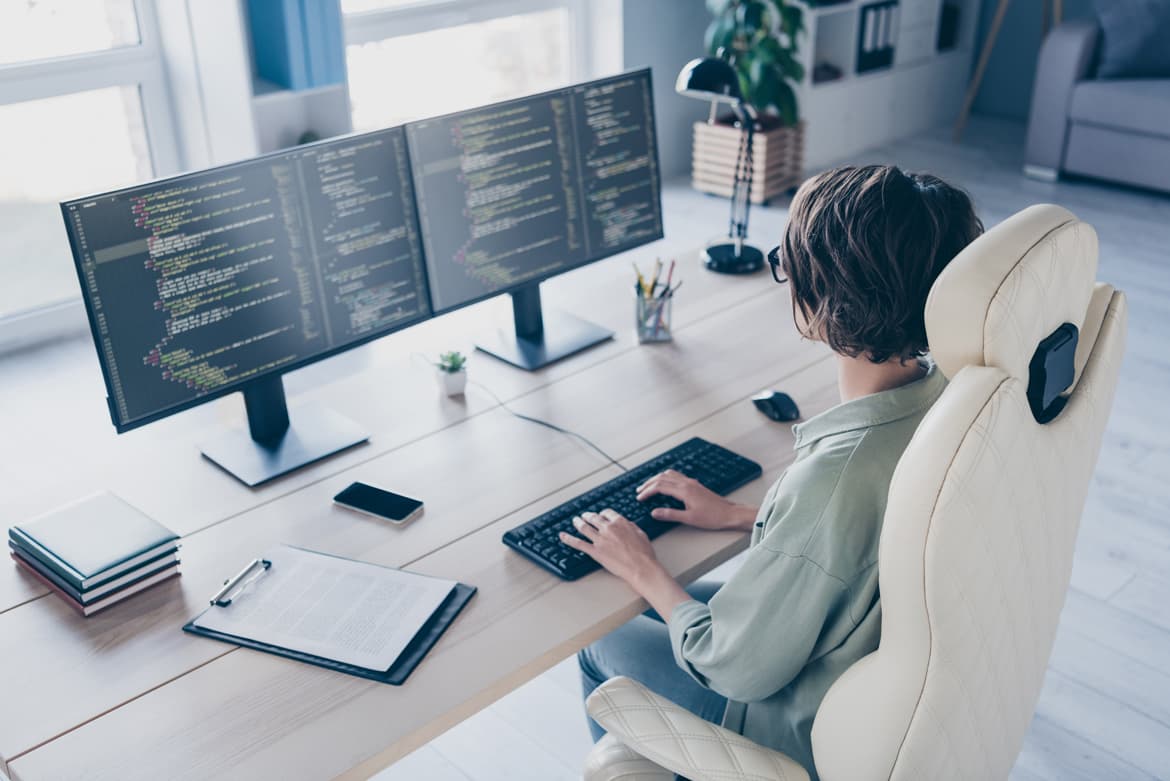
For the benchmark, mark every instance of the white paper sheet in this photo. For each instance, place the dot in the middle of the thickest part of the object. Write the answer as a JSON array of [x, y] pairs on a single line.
[[350, 611]]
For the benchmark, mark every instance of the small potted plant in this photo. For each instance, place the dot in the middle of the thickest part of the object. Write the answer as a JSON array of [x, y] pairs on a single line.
[[452, 368], [759, 38]]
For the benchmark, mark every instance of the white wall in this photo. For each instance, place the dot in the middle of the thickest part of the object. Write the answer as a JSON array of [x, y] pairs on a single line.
[[207, 56], [664, 35], [1007, 85]]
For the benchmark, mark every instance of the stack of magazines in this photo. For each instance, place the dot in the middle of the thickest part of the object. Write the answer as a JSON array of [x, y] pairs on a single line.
[[96, 552]]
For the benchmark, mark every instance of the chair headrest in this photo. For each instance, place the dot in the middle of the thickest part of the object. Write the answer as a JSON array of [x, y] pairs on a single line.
[[1010, 290]]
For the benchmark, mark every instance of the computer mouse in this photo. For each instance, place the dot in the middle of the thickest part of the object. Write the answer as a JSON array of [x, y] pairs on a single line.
[[776, 405]]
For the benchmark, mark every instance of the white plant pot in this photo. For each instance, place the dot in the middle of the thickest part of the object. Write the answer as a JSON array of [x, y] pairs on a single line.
[[454, 383]]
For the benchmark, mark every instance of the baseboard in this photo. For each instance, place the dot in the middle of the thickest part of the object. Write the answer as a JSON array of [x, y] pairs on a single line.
[[1041, 172]]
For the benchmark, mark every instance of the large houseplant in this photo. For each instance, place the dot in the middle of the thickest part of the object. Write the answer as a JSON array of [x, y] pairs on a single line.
[[760, 39]]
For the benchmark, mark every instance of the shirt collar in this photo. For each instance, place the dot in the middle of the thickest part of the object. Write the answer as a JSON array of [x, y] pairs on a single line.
[[873, 410]]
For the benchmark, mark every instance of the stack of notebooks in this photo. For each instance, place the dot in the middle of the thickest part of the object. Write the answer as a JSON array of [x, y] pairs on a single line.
[[95, 553]]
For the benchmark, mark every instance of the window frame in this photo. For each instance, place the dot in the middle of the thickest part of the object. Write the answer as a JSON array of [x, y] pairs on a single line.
[[138, 65]]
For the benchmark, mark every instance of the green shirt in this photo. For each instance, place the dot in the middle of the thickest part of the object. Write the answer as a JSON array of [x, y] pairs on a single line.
[[804, 606]]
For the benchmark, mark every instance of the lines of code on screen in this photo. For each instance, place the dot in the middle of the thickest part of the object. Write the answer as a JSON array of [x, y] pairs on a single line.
[[518, 191], [205, 281]]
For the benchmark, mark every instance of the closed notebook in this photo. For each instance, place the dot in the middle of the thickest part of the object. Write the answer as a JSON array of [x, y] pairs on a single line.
[[108, 600], [152, 567], [93, 540]]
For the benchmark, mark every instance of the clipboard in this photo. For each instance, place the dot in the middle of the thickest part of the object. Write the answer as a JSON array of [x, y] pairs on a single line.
[[426, 638], [412, 653]]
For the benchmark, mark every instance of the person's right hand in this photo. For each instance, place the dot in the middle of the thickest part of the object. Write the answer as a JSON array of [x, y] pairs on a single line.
[[704, 508]]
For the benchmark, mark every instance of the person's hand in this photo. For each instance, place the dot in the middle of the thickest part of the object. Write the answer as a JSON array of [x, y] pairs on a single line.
[[704, 509], [615, 543]]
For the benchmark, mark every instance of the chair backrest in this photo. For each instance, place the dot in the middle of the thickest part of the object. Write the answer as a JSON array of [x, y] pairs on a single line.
[[977, 544]]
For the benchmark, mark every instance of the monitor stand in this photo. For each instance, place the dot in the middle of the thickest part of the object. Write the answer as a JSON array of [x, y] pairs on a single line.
[[538, 339], [272, 447]]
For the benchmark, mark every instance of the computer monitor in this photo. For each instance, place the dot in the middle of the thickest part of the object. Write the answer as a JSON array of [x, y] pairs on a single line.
[[209, 283], [516, 192]]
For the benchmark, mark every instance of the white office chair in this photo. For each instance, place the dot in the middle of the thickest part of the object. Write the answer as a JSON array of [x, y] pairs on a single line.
[[977, 544]]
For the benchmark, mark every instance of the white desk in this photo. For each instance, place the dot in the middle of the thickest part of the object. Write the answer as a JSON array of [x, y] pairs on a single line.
[[126, 694]]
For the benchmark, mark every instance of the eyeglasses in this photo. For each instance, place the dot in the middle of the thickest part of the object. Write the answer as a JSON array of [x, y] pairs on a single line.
[[777, 270]]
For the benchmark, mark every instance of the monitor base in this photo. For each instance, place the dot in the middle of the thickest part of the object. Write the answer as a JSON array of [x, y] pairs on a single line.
[[562, 335], [316, 432]]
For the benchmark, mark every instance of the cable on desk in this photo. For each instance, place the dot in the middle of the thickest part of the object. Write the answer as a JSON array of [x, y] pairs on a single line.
[[531, 419], [546, 424]]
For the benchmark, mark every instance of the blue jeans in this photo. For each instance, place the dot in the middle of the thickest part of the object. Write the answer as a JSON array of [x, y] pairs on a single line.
[[641, 650]]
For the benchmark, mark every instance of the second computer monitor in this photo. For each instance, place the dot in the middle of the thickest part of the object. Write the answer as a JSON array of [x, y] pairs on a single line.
[[222, 280], [516, 192]]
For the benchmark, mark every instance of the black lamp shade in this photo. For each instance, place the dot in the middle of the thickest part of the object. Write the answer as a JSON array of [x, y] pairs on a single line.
[[709, 78]]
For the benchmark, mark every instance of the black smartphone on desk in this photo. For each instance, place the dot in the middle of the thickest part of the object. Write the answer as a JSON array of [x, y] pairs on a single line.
[[389, 506]]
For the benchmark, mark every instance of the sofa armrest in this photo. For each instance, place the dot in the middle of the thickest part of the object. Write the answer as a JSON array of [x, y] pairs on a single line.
[[680, 741], [1065, 58]]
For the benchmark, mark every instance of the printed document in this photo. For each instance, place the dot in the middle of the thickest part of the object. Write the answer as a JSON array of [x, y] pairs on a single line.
[[349, 611]]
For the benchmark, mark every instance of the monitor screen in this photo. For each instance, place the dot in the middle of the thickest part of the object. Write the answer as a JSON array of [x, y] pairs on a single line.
[[199, 283], [516, 192]]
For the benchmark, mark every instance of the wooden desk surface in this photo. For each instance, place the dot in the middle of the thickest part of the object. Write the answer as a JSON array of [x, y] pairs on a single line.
[[125, 694]]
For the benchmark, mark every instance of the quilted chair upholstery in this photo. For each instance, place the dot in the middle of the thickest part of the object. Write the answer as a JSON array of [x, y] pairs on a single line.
[[976, 547]]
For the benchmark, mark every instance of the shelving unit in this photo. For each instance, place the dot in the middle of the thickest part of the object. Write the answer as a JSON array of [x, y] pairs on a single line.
[[922, 88], [834, 37], [300, 46], [282, 116]]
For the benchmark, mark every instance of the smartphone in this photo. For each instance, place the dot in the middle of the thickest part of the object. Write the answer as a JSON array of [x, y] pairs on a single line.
[[373, 501]]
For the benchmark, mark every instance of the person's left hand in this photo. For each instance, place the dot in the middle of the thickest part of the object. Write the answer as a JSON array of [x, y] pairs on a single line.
[[616, 543]]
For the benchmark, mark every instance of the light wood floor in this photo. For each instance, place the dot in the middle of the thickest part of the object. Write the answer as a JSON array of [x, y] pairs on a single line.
[[1105, 709]]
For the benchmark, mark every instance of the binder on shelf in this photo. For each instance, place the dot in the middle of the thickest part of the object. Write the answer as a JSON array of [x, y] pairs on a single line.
[[278, 42], [948, 27], [877, 35], [334, 34], [324, 45], [298, 44], [354, 617]]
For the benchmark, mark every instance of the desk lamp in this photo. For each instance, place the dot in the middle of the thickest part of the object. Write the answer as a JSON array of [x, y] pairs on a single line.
[[714, 79]]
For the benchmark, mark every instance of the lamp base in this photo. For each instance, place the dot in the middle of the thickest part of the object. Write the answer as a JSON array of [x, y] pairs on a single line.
[[724, 259]]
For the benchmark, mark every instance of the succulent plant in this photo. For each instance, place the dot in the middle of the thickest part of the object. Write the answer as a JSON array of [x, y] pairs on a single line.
[[451, 362]]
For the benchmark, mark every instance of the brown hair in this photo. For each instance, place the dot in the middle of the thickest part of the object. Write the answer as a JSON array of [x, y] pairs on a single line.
[[862, 247]]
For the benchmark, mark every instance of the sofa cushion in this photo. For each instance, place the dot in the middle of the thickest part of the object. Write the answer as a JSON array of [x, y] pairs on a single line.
[[1140, 105], [1135, 34]]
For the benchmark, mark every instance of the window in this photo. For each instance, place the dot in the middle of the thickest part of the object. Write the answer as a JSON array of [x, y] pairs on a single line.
[[409, 59], [40, 29], [84, 109]]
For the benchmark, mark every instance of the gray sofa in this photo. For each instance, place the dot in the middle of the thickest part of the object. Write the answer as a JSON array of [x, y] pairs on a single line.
[[1117, 129]]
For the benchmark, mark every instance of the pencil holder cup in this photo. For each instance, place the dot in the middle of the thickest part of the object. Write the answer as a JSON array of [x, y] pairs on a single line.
[[652, 318]]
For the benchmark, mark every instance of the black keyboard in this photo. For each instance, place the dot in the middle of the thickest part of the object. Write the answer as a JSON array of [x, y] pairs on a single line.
[[715, 467]]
